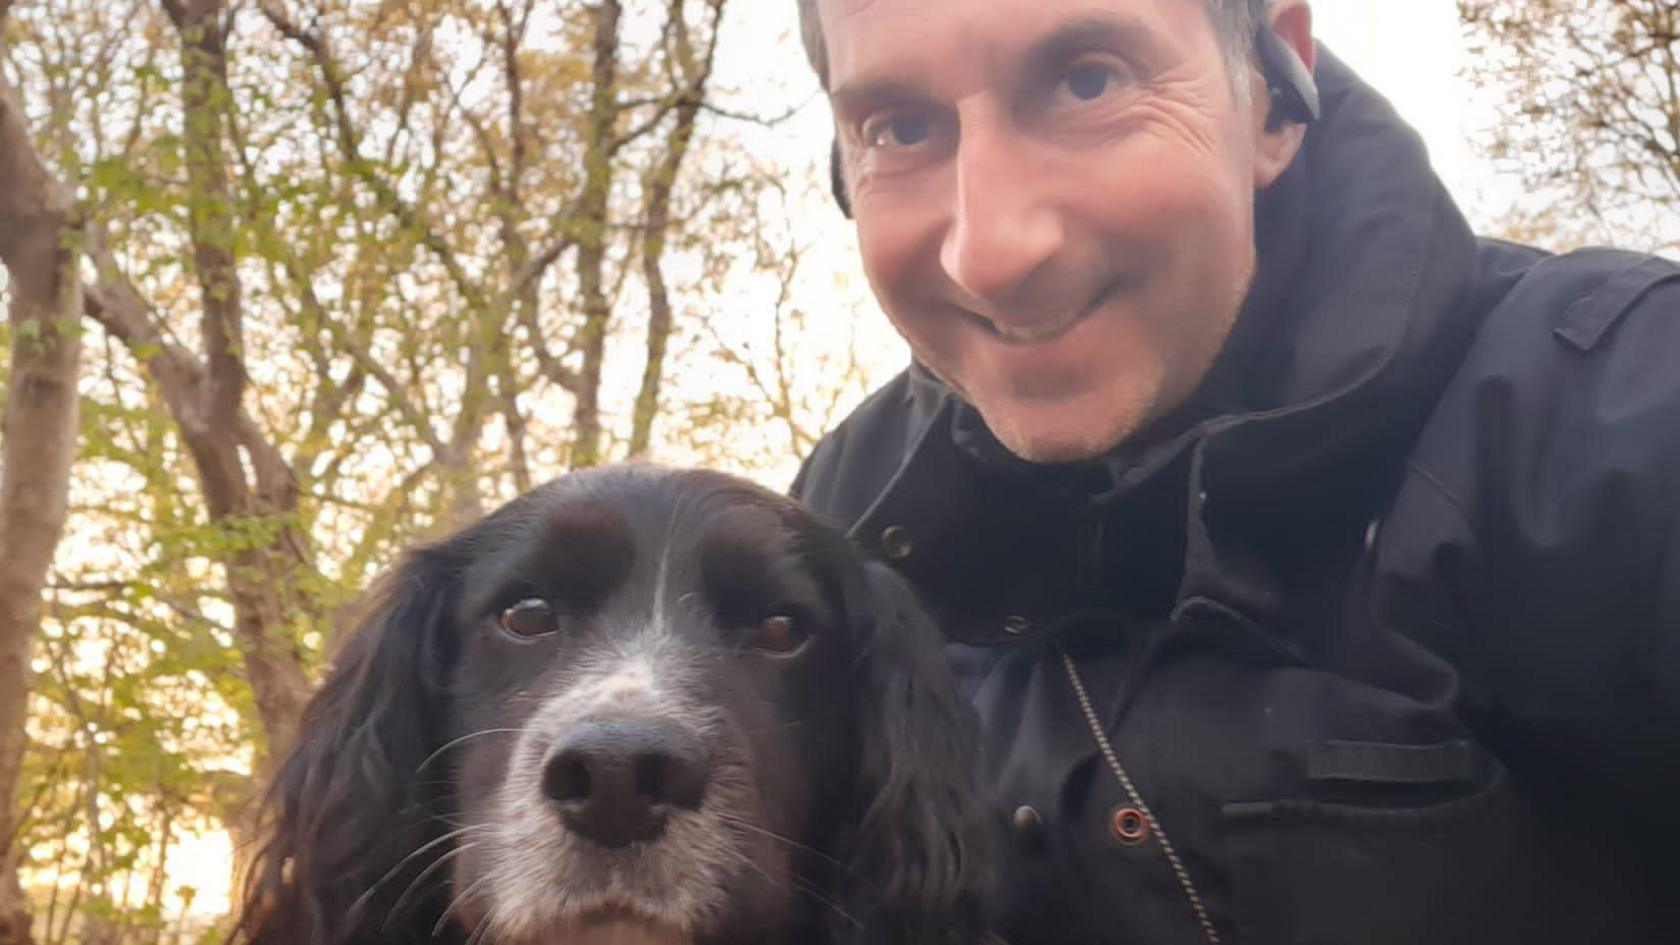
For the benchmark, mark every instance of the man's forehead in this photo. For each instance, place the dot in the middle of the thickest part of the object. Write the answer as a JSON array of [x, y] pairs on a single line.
[[845, 13], [898, 36], [888, 43]]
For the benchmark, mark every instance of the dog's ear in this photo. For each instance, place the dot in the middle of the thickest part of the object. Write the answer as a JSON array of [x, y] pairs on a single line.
[[920, 861], [348, 814]]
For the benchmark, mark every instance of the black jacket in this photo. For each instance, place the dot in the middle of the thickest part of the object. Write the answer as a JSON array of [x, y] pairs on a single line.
[[1385, 629]]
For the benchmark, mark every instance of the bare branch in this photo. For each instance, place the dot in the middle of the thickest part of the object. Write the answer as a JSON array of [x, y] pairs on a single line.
[[204, 93], [349, 145], [657, 222], [1590, 110], [763, 121]]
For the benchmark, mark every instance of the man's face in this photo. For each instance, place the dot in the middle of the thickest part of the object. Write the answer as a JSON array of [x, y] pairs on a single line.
[[1054, 201]]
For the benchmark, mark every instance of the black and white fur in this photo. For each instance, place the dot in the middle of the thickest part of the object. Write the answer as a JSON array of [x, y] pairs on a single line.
[[737, 730]]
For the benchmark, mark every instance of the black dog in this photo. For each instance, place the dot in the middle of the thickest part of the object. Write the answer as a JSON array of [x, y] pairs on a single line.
[[632, 705]]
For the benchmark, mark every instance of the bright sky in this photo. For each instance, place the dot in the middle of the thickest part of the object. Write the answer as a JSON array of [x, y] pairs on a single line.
[[1412, 53]]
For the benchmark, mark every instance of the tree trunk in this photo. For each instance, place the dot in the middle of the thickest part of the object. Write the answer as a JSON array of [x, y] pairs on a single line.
[[37, 441], [653, 256], [261, 571], [591, 223]]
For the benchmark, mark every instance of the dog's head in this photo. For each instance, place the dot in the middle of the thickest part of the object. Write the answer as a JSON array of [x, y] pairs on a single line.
[[634, 702]]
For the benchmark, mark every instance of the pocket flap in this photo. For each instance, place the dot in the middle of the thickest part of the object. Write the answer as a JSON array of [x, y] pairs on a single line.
[[1385, 763]]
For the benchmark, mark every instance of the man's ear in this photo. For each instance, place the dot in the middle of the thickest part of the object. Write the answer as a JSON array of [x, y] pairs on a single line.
[[1278, 137]]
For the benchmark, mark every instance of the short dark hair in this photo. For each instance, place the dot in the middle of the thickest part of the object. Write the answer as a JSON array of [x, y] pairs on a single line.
[[1233, 19]]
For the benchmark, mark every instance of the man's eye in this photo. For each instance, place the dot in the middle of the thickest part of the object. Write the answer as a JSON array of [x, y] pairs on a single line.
[[897, 131], [1088, 82]]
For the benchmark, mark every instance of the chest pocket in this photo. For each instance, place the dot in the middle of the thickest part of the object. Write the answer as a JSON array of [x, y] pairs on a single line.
[[1401, 843], [1341, 812]]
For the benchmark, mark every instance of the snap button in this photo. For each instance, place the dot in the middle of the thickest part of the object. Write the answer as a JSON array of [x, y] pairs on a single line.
[[1128, 825], [1028, 828], [895, 543], [1016, 625]]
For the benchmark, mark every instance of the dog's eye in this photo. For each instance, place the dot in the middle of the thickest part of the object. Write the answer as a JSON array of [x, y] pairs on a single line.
[[778, 633], [531, 617]]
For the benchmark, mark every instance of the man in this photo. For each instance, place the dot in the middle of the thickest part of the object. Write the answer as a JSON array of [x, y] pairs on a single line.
[[1313, 566]]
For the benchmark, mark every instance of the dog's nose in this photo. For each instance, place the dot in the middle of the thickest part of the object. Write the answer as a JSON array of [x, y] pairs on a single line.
[[616, 782]]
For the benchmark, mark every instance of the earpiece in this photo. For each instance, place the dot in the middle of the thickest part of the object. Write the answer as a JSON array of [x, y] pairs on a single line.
[[1294, 94]]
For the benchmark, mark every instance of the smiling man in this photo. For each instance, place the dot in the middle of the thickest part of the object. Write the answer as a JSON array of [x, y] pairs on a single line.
[[1067, 252], [1313, 565]]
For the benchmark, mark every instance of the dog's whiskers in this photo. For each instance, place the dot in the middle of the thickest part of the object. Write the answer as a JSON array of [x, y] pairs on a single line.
[[367, 896], [415, 883], [797, 882], [481, 929], [460, 899], [773, 835], [456, 741], [808, 888]]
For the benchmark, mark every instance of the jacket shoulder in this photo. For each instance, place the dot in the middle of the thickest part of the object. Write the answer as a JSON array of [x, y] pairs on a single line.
[[1561, 424], [1581, 352]]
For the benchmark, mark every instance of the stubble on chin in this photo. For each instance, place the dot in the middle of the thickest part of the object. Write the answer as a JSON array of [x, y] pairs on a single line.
[[1048, 447], [1083, 428]]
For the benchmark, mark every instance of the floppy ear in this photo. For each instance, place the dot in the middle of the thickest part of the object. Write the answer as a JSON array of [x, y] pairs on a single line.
[[920, 862], [348, 811]]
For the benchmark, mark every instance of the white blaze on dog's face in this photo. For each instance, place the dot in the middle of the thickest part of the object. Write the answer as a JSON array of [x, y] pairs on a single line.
[[638, 778]]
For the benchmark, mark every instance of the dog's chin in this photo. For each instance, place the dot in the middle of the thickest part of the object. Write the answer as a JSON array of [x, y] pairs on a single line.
[[618, 927]]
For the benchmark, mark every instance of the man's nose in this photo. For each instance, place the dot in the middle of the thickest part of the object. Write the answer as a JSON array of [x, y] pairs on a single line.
[[1002, 227]]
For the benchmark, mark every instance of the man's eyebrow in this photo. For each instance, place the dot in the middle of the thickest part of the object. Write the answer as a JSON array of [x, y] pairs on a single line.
[[1088, 32], [867, 92], [1066, 39]]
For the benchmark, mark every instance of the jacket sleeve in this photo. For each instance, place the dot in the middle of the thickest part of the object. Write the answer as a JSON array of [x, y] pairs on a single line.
[[1536, 539]]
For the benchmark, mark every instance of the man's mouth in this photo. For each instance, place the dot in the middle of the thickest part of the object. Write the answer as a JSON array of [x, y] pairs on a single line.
[[1040, 332]]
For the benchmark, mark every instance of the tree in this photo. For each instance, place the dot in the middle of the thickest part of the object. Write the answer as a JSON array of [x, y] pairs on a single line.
[[39, 246], [1590, 107]]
